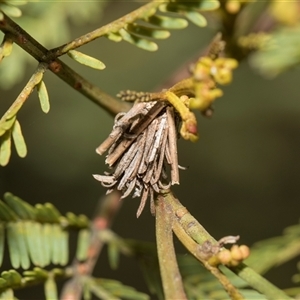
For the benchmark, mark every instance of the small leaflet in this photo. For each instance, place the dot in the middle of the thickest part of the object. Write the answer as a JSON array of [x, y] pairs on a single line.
[[137, 41], [6, 46], [43, 96], [86, 60], [113, 36], [209, 5], [5, 148], [19, 140], [196, 18], [83, 242], [167, 22], [50, 289], [148, 31], [13, 245], [11, 11], [113, 255], [22, 246], [6, 125]]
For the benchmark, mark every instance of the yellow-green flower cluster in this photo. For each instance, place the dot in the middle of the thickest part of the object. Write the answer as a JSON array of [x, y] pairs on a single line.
[[207, 73]]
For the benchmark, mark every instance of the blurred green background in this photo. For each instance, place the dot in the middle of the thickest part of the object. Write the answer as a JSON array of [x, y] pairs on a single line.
[[243, 175]]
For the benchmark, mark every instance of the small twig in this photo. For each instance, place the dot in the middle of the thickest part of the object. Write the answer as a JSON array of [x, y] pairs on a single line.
[[41, 54], [111, 27], [171, 278], [108, 207]]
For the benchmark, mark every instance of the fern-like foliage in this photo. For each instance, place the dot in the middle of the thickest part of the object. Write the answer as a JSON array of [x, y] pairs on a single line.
[[37, 234]]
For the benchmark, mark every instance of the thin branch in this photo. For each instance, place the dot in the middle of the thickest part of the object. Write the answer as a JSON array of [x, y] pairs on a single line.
[[171, 278], [108, 207], [41, 54], [92, 92], [196, 232], [115, 26]]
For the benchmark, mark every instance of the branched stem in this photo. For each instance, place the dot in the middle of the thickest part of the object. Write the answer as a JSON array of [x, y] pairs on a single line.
[[111, 27], [171, 278], [189, 231], [41, 54]]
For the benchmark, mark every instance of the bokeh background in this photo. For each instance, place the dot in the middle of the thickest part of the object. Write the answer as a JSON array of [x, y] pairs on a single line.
[[243, 175]]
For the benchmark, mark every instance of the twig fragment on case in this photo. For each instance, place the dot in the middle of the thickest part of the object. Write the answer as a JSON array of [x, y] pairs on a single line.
[[142, 151]]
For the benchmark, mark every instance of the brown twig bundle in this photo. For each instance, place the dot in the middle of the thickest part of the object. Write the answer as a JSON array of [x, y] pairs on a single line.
[[141, 148]]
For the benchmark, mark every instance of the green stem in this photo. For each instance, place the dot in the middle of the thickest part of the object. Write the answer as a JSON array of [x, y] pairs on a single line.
[[171, 278], [259, 283], [193, 248], [198, 233], [41, 54]]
